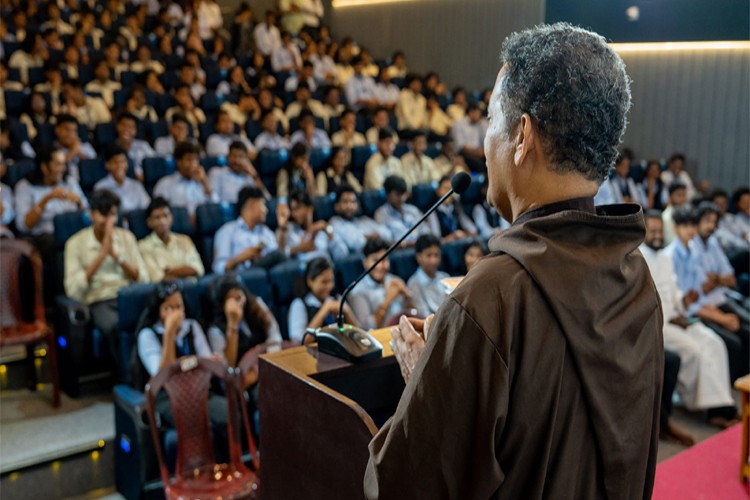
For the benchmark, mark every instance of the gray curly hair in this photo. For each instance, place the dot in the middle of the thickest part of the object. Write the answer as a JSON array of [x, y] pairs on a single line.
[[575, 88]]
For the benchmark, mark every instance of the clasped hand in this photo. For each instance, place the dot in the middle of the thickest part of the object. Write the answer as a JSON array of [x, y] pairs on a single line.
[[409, 339]]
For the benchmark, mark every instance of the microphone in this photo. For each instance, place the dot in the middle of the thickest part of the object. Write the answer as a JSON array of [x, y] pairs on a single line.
[[355, 344]]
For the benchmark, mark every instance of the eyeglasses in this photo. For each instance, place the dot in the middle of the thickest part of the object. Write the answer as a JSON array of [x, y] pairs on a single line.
[[168, 288]]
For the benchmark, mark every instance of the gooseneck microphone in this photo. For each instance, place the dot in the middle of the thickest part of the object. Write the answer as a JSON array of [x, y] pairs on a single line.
[[352, 343]]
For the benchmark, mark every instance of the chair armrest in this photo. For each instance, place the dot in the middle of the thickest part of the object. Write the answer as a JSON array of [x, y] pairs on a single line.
[[131, 401], [77, 313]]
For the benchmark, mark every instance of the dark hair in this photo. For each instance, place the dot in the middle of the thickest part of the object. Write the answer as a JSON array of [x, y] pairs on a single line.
[[575, 88], [652, 214], [411, 78], [150, 315], [186, 148], [342, 189], [65, 118], [305, 114], [248, 193], [476, 244], [301, 197], [395, 183], [707, 207], [179, 117], [373, 245], [685, 215], [238, 145], [113, 150], [219, 115], [458, 90], [718, 193], [676, 186], [103, 201], [676, 156], [314, 268], [156, 204], [126, 115], [426, 241], [625, 154], [256, 317], [298, 150], [385, 133], [739, 193]]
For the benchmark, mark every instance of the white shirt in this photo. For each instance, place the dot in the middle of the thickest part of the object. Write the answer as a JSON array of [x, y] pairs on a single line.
[[182, 192], [227, 183], [267, 38], [411, 110], [132, 194], [218, 144]]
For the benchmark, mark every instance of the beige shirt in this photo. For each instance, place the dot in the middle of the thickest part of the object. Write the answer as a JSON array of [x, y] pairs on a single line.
[[82, 249], [377, 169], [92, 113], [418, 170], [340, 139], [180, 251]]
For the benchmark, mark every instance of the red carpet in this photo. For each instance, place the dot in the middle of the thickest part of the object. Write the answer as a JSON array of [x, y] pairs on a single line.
[[709, 470]]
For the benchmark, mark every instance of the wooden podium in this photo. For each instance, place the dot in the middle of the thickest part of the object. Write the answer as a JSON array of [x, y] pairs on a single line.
[[317, 416]]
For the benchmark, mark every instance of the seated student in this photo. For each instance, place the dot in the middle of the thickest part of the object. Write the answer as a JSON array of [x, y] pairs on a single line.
[[468, 135], [167, 255], [739, 223], [43, 194], [426, 283], [397, 215], [347, 137], [179, 132], [246, 241], [227, 181], [653, 191], [332, 106], [437, 121], [132, 194], [138, 106], [164, 335], [315, 306], [677, 198], [734, 239], [137, 149], [189, 186], [7, 205], [360, 89], [218, 143], [241, 321], [475, 251], [186, 107], [411, 109], [306, 76], [382, 163], [270, 138], [457, 109], [690, 280], [417, 167], [449, 222], [386, 92], [676, 172], [67, 139], [349, 231], [703, 379], [448, 162], [246, 108], [299, 237], [303, 101], [308, 134], [297, 174], [102, 84], [380, 295], [380, 121], [88, 110], [337, 173], [100, 261], [620, 187], [486, 219]]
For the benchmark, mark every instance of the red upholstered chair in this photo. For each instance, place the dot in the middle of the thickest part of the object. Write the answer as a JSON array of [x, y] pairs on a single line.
[[197, 475], [21, 325]]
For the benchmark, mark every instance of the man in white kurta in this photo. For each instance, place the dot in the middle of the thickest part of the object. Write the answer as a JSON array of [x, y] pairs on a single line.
[[703, 379]]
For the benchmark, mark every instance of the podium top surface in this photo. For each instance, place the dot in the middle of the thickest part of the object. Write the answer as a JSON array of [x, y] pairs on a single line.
[[307, 361]]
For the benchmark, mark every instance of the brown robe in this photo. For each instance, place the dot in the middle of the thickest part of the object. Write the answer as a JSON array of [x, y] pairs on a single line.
[[542, 374]]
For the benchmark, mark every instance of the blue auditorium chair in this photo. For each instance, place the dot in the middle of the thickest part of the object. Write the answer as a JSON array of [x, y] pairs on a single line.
[[452, 261], [268, 163], [208, 219], [404, 263], [210, 102], [401, 149], [319, 159], [433, 150], [370, 200], [347, 270], [423, 196], [105, 134], [90, 172], [154, 169], [14, 101], [17, 171], [360, 155], [138, 226], [323, 207], [256, 280], [283, 279]]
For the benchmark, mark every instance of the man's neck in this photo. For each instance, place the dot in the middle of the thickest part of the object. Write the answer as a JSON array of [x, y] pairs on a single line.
[[165, 237]]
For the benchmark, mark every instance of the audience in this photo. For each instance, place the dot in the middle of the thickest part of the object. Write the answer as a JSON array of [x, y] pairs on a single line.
[[475, 251], [100, 260], [227, 181], [337, 174], [246, 241], [449, 222], [315, 306], [620, 187], [676, 172], [241, 321], [349, 231], [468, 135], [653, 190], [677, 198], [189, 186], [380, 296], [179, 132], [7, 205], [426, 285], [131, 192], [417, 167], [411, 110], [308, 134], [299, 237], [397, 215], [218, 143], [297, 174], [167, 255], [66, 133], [383, 163], [347, 136], [137, 149]]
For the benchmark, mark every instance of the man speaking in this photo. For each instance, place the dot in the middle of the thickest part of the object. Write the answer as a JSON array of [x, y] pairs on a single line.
[[540, 376]]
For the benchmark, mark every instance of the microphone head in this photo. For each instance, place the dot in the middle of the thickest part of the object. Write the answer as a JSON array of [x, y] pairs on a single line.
[[460, 182]]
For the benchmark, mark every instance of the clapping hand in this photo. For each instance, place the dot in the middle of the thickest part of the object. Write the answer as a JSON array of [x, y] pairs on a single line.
[[282, 214], [409, 339]]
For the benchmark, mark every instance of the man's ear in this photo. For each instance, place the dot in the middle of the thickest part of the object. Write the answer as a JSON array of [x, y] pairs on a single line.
[[525, 140]]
